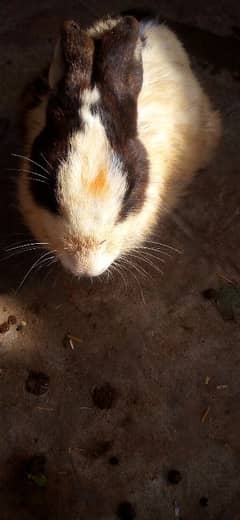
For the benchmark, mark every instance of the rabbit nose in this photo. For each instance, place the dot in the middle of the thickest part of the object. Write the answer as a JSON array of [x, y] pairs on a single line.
[[92, 266]]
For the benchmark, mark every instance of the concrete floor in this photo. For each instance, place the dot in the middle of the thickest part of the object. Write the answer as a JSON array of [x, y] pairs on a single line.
[[153, 384]]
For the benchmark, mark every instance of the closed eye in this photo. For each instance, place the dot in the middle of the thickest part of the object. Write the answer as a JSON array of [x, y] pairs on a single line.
[[101, 243]]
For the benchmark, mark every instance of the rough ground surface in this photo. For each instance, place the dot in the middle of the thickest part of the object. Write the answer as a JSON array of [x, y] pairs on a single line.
[[153, 384]]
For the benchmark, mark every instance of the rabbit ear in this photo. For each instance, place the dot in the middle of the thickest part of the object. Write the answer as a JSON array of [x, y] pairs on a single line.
[[73, 56], [78, 50], [120, 63]]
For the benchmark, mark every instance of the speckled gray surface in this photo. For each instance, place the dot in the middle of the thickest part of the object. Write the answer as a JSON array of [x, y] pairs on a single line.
[[166, 351]]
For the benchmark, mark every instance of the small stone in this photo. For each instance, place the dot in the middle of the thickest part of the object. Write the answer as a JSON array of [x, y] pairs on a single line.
[[174, 476], [203, 501], [37, 383], [126, 511], [21, 325]]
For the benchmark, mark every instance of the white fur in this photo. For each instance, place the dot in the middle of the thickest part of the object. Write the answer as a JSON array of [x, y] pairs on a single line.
[[88, 98], [101, 26], [90, 153], [179, 130]]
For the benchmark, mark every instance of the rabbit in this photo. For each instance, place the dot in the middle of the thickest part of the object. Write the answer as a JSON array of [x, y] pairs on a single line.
[[113, 136]]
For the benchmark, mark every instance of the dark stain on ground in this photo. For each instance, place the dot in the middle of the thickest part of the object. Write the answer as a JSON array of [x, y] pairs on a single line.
[[226, 299], [114, 461], [126, 511], [127, 421], [37, 383], [12, 320], [35, 470], [99, 449], [203, 501], [209, 294], [5, 326], [104, 396], [174, 476]]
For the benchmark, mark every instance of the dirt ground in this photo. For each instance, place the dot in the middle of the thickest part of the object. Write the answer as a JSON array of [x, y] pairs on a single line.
[[139, 416]]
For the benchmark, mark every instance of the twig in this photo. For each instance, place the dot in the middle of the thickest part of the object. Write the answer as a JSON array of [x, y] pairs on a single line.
[[74, 338], [205, 414]]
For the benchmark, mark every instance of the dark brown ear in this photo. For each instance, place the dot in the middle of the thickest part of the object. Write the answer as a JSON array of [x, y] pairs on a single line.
[[73, 57], [119, 58]]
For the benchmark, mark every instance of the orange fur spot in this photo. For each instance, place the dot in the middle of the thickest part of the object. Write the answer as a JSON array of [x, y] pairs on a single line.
[[99, 185]]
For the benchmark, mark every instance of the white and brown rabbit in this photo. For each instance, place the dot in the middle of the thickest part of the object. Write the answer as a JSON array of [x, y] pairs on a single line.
[[112, 140]]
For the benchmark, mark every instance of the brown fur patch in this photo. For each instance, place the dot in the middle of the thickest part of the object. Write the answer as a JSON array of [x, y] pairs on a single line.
[[99, 185], [74, 243], [77, 50], [118, 75]]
